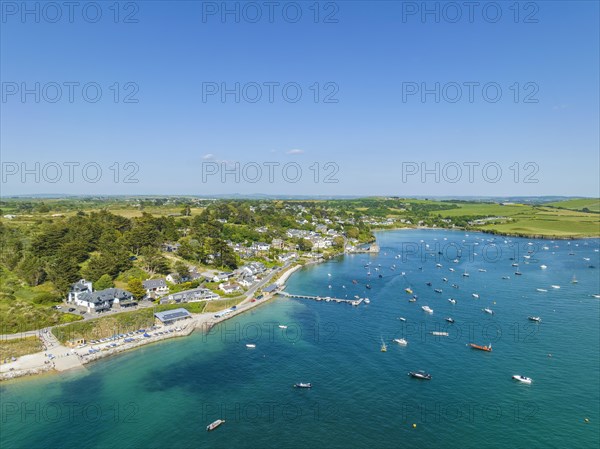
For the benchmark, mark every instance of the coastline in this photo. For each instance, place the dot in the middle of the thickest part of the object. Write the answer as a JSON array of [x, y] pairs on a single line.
[[66, 358]]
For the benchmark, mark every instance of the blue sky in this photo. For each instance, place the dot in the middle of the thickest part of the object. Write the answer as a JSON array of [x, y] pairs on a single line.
[[377, 138]]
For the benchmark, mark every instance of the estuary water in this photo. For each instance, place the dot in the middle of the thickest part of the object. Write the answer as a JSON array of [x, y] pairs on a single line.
[[165, 394]]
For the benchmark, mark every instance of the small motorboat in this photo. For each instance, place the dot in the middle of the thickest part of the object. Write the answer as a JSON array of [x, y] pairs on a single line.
[[367, 301], [450, 320], [354, 281], [475, 295], [515, 264], [452, 301], [429, 284], [282, 326], [543, 267], [482, 270], [438, 290], [439, 334], [455, 286], [368, 286], [408, 290], [481, 348], [420, 375], [402, 318], [213, 425], [400, 341], [451, 269], [445, 279], [427, 309], [537, 319], [505, 277], [303, 385], [438, 265], [518, 273], [525, 380], [413, 299], [555, 286], [488, 310], [541, 290], [250, 345]]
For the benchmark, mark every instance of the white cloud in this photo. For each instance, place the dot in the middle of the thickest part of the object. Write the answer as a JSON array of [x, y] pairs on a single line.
[[208, 156], [295, 151]]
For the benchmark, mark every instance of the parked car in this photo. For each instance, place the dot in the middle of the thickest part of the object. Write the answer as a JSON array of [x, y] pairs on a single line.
[[71, 309]]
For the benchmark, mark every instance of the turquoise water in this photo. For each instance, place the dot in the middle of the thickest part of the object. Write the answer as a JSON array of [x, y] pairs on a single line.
[[165, 394]]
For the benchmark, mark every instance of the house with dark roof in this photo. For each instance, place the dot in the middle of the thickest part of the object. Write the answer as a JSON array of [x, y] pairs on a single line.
[[104, 300], [155, 287], [194, 295], [79, 287], [171, 316]]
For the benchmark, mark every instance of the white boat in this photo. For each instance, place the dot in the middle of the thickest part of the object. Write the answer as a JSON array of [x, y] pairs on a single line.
[[282, 326], [505, 277], [213, 425], [400, 341], [452, 301], [303, 385], [596, 296], [465, 274], [402, 318], [541, 290], [451, 269], [482, 270], [488, 310], [525, 380], [250, 345], [445, 279], [427, 309], [555, 286], [543, 267], [537, 319], [475, 295], [367, 301], [439, 334]]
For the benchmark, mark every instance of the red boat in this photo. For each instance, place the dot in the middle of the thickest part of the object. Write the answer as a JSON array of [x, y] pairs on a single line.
[[481, 348]]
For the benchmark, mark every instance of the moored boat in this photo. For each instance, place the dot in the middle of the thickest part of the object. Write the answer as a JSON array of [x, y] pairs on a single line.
[[488, 310], [525, 380], [400, 341], [420, 375], [213, 425], [452, 301], [537, 319], [481, 348], [450, 320], [303, 385], [427, 309]]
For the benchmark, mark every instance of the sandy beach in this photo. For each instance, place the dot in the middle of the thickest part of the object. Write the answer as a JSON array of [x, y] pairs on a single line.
[[57, 358]]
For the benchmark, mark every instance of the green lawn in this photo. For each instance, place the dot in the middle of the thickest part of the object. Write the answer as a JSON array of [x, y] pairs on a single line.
[[593, 204]]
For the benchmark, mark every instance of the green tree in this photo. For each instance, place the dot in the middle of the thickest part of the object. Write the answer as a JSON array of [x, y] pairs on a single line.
[[136, 288], [104, 282]]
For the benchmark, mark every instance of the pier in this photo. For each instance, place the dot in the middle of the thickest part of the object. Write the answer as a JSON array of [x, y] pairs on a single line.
[[354, 302]]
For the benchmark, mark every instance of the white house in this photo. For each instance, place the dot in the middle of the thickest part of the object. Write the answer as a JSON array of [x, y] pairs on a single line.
[[79, 287], [155, 287], [229, 288]]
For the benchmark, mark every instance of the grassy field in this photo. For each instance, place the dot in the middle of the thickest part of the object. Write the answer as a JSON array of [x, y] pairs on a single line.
[[592, 204], [19, 347], [529, 220]]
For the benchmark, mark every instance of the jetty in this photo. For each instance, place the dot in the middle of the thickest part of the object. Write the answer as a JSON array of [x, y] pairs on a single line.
[[354, 302]]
